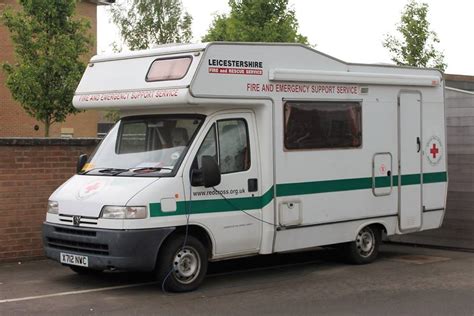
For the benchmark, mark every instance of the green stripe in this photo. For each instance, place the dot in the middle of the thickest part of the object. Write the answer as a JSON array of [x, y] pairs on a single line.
[[435, 177], [215, 205], [289, 189]]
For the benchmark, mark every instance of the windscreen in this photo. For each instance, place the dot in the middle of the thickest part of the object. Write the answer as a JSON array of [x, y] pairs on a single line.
[[146, 145]]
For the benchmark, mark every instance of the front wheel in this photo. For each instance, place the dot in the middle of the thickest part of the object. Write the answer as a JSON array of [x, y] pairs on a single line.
[[366, 246], [181, 267]]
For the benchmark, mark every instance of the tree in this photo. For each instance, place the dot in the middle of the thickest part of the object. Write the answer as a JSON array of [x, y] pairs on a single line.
[[256, 21], [48, 44], [417, 46], [144, 23]]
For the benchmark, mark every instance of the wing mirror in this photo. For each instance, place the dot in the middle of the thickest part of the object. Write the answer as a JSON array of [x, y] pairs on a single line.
[[208, 176], [81, 162]]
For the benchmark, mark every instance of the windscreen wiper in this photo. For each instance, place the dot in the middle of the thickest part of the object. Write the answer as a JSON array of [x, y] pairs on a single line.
[[111, 171], [149, 170]]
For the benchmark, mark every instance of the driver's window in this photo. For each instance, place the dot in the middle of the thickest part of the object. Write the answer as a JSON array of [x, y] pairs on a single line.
[[232, 154]]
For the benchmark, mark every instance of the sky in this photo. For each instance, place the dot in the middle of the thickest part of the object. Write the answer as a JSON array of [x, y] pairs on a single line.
[[349, 30]]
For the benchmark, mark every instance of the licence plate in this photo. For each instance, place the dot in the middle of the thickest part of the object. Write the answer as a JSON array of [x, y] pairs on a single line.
[[76, 260]]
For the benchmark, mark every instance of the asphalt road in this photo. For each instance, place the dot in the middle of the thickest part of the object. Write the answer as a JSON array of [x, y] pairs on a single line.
[[404, 281]]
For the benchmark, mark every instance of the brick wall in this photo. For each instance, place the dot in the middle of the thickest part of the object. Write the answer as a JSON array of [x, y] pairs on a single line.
[[13, 119], [30, 170]]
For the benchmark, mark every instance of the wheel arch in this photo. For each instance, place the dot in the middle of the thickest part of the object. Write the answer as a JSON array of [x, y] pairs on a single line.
[[195, 230], [379, 224]]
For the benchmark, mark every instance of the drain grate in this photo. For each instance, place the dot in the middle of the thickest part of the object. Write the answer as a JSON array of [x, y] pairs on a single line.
[[419, 259]]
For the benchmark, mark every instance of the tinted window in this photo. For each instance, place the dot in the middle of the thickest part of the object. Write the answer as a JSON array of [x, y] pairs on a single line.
[[318, 125], [168, 69]]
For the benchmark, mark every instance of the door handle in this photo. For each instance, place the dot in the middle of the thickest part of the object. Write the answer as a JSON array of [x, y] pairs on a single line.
[[418, 143], [252, 185]]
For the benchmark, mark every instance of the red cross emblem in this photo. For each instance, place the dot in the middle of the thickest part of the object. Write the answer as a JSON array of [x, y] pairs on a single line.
[[92, 187], [434, 151]]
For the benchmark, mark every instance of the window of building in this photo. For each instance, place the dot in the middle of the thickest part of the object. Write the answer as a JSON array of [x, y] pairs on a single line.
[[103, 129], [322, 125]]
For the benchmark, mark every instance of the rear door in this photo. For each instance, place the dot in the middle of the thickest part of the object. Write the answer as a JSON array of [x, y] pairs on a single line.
[[231, 210], [410, 154]]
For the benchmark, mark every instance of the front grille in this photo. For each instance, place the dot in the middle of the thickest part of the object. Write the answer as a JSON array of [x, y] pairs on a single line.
[[83, 219], [78, 246], [77, 232]]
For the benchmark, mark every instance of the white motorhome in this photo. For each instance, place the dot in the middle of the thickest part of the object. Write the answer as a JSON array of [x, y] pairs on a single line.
[[226, 150]]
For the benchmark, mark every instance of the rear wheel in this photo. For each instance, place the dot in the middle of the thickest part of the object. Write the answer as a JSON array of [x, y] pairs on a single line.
[[182, 268], [366, 246]]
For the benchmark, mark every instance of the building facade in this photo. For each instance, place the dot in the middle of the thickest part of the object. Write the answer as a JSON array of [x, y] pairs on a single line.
[[14, 121], [461, 82]]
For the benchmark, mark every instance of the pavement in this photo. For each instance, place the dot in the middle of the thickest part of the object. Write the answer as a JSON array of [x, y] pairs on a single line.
[[405, 280]]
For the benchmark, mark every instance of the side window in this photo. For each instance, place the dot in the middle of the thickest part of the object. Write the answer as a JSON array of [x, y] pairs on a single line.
[[208, 147], [234, 149], [322, 125], [233, 152]]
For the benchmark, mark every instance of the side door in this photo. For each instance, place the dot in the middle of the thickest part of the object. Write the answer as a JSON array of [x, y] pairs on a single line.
[[231, 210], [410, 172]]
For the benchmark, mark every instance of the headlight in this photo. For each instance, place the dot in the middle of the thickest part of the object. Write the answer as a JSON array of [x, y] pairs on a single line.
[[53, 207], [120, 212]]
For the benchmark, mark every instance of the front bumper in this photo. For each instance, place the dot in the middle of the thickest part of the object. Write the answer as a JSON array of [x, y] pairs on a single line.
[[132, 250]]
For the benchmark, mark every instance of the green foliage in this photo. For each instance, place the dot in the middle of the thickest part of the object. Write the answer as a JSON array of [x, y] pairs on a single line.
[[416, 48], [48, 44], [112, 116], [145, 23], [256, 21]]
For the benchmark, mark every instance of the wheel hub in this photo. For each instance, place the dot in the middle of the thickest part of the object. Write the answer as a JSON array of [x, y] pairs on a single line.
[[186, 265], [365, 242]]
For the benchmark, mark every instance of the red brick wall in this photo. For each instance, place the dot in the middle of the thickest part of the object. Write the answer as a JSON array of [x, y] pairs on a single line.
[[30, 170]]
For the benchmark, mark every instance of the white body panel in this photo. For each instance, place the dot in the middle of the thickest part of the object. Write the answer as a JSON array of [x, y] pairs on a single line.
[[304, 198], [88, 194], [410, 204]]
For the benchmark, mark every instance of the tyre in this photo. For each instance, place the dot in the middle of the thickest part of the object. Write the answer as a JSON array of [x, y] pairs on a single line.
[[84, 270], [181, 269], [366, 246]]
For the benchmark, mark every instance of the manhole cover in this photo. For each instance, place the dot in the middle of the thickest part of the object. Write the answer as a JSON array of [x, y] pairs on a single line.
[[419, 259]]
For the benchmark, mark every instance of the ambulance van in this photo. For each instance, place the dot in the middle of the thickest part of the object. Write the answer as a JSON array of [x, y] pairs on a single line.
[[226, 150]]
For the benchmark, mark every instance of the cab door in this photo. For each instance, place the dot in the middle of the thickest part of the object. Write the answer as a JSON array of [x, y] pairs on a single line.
[[231, 211]]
